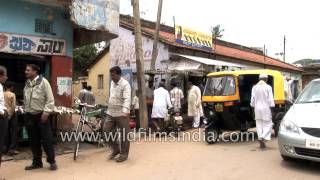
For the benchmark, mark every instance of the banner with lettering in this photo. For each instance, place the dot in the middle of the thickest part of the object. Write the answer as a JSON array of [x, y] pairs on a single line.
[[15, 43], [189, 37]]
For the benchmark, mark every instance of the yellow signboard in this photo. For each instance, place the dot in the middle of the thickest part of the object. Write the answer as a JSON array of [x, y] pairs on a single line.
[[193, 38]]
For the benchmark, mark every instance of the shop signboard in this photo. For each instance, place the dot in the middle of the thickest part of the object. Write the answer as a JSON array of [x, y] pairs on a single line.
[[23, 44], [189, 37]]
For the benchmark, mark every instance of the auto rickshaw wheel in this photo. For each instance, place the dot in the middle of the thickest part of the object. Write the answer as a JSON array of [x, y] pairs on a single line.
[[277, 121], [211, 135]]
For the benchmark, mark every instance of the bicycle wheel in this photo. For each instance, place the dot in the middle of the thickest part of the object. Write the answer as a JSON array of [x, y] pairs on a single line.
[[77, 140]]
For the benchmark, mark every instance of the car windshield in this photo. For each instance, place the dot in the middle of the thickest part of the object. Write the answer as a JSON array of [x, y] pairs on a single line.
[[311, 94], [220, 86]]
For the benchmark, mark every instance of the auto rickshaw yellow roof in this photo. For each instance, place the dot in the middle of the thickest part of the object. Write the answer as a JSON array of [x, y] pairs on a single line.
[[278, 85], [243, 72]]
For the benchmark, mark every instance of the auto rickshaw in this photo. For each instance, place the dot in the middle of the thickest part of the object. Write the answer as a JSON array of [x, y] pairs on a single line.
[[226, 101]]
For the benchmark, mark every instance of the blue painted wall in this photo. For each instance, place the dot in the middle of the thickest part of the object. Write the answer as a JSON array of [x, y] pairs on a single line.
[[18, 17]]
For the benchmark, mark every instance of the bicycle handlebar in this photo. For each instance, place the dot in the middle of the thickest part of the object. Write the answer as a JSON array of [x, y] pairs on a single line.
[[87, 105]]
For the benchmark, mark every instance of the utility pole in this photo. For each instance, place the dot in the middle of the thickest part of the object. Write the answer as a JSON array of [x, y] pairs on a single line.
[[156, 38], [140, 66], [284, 48]]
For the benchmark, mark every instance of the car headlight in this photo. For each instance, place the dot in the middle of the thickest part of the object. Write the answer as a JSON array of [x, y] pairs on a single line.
[[288, 126]]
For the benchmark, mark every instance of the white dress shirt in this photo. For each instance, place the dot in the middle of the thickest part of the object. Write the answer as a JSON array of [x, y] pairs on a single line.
[[120, 98], [2, 104]]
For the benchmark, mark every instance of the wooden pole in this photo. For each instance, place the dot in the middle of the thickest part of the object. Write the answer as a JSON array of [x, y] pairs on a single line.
[[284, 48], [140, 66], [156, 38]]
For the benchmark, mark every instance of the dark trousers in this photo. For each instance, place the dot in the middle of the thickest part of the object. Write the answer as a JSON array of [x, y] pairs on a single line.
[[3, 132], [149, 109], [40, 134], [110, 127], [136, 112], [12, 134]]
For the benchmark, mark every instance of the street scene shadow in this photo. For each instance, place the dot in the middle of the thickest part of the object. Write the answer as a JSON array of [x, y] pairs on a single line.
[[302, 166]]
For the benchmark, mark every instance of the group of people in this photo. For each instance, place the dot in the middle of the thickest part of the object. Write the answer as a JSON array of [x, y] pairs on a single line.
[[38, 105], [164, 100], [8, 119]]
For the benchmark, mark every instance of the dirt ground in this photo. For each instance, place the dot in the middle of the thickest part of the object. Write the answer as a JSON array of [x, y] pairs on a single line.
[[173, 161]]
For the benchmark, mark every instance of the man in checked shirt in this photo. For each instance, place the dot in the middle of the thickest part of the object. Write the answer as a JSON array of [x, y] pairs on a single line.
[[118, 115]]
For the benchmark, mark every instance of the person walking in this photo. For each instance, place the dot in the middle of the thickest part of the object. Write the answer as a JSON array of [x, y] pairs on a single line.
[[3, 111], [118, 114], [262, 101], [38, 104], [10, 103], [160, 106], [194, 104]]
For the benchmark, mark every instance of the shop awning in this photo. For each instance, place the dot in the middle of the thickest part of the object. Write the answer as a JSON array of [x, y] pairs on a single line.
[[185, 62], [210, 62]]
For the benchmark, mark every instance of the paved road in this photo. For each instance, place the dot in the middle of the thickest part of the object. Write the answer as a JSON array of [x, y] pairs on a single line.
[[174, 161]]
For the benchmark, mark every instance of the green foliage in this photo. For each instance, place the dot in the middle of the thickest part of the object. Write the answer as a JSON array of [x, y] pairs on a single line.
[[82, 57], [217, 31], [305, 62]]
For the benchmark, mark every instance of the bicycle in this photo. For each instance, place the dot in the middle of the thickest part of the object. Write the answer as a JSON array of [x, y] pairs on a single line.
[[95, 124]]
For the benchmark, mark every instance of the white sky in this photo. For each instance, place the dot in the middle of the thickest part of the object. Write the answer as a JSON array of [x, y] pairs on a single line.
[[252, 23]]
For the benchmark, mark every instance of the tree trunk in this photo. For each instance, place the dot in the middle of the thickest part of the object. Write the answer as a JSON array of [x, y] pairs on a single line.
[[140, 66], [156, 38]]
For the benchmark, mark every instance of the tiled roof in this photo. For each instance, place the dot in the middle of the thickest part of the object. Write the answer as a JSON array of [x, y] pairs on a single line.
[[169, 38]]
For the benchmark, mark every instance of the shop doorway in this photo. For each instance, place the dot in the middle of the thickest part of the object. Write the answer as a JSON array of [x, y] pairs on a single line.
[[16, 64]]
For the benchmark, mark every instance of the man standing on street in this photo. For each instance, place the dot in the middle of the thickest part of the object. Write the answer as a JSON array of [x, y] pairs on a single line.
[[82, 94], [176, 96], [39, 103], [160, 106], [89, 97], [118, 114], [3, 111], [262, 102], [194, 104]]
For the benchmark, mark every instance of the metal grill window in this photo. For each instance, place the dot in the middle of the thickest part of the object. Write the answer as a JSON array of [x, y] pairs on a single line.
[[44, 26]]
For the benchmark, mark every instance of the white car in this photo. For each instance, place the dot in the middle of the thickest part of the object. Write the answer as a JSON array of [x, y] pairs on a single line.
[[299, 133]]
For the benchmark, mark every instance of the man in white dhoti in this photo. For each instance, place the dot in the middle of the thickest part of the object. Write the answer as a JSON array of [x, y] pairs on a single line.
[[194, 104], [262, 101], [161, 103]]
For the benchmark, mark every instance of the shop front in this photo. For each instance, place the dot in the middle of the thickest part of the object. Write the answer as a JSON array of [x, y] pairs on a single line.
[[44, 33]]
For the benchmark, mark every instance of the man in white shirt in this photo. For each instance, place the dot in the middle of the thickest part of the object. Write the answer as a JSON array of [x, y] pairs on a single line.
[[118, 114], [161, 103], [262, 101], [82, 94], [176, 96], [3, 111]]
